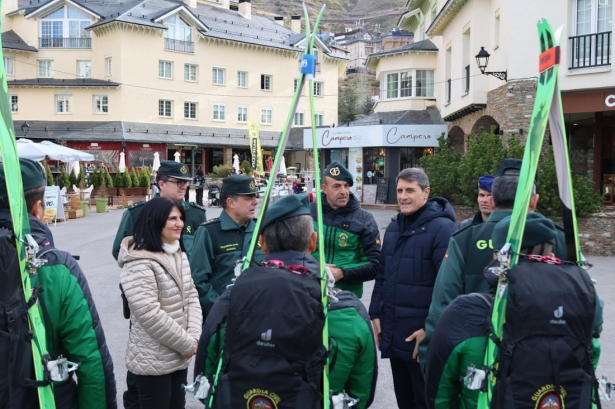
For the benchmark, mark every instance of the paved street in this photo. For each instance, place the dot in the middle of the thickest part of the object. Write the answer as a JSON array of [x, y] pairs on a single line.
[[91, 238]]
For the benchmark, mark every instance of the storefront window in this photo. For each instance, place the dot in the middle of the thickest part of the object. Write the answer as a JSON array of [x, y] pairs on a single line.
[[581, 143], [217, 158], [410, 157], [340, 155], [373, 159]]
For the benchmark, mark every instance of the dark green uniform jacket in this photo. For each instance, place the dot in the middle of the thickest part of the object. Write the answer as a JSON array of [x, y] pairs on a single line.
[[355, 370], [195, 215], [468, 253], [72, 326], [352, 242], [218, 244]]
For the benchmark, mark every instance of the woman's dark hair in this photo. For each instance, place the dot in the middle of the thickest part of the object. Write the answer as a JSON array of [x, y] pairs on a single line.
[[147, 229], [199, 172]]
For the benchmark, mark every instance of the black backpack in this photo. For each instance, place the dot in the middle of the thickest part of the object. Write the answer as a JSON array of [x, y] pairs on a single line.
[[17, 369], [545, 358], [273, 351]]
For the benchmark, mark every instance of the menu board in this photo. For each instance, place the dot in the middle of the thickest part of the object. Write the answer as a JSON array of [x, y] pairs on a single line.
[[355, 167]]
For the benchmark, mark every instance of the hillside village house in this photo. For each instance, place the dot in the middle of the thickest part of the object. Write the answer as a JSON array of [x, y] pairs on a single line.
[[502, 99], [145, 76]]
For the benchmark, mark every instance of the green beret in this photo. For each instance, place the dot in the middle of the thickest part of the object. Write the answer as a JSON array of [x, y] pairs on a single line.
[[337, 171], [538, 230], [32, 176], [286, 207], [174, 169], [239, 185]]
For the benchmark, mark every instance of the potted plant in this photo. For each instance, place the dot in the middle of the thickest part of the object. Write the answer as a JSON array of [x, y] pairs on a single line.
[[64, 181], [50, 181], [123, 200], [101, 198], [144, 182], [85, 204]]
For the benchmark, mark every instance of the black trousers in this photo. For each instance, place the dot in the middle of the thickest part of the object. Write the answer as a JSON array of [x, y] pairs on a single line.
[[199, 196], [131, 394], [163, 391], [409, 384]]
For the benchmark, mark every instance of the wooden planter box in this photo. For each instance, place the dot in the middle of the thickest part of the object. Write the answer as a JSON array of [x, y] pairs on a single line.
[[133, 191], [74, 213]]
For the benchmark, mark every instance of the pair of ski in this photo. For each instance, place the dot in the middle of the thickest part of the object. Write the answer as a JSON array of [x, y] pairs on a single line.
[[547, 107], [306, 75], [21, 228]]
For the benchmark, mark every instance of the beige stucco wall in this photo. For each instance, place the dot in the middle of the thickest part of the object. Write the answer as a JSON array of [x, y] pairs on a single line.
[[136, 53]]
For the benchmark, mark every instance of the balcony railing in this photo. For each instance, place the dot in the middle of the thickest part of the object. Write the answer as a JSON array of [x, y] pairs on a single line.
[[466, 70], [59, 42], [590, 50], [448, 90], [178, 45]]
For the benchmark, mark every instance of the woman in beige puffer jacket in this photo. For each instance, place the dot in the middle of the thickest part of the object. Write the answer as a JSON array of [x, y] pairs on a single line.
[[165, 313]]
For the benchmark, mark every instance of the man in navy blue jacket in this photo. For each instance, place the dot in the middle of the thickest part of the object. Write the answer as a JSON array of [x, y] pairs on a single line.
[[414, 246]]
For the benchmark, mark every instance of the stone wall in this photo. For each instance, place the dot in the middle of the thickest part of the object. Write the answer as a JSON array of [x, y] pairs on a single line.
[[509, 105], [596, 233]]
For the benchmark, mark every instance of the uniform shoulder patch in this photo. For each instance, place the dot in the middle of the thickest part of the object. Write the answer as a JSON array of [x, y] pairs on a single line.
[[463, 229], [211, 221], [198, 206], [132, 206]]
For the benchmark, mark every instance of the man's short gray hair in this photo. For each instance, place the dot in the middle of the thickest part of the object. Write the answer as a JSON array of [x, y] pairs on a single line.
[[414, 175], [289, 234], [504, 190]]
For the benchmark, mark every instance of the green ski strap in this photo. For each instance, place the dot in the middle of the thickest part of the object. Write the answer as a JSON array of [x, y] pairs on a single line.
[[548, 67], [21, 227], [320, 228]]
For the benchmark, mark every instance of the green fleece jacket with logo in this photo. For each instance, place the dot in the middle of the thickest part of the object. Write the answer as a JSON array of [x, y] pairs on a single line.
[[352, 242], [72, 325]]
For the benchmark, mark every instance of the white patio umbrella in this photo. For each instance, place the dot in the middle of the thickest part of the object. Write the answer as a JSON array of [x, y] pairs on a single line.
[[122, 165], [177, 155], [282, 165], [73, 166], [236, 163], [156, 163], [38, 151]]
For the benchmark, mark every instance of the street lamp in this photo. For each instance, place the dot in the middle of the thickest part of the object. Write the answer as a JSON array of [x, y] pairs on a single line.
[[482, 59], [25, 128]]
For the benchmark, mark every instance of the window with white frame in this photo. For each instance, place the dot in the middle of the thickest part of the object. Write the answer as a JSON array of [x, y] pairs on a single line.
[[45, 68], [317, 89], [64, 28], [9, 65], [242, 79], [190, 71], [266, 116], [242, 114], [593, 24], [190, 109], [84, 68], [64, 103], [406, 84], [109, 66], [219, 112], [299, 117], [165, 69], [217, 76], [424, 83], [14, 102], [101, 103], [165, 108], [319, 118], [266, 82], [178, 28]]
